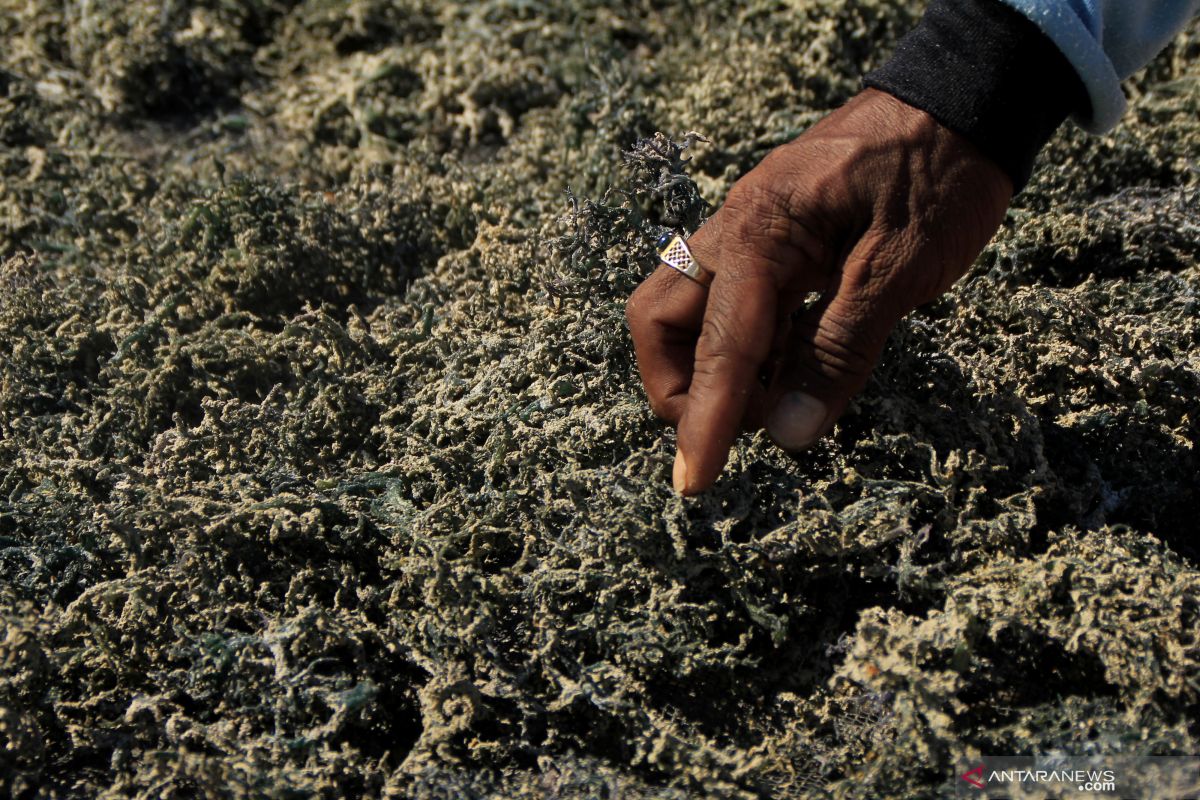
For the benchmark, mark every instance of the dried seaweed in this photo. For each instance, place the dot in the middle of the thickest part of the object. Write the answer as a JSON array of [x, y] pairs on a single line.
[[325, 468]]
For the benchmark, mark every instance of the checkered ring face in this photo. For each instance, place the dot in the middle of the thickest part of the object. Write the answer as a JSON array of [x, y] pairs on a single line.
[[676, 254]]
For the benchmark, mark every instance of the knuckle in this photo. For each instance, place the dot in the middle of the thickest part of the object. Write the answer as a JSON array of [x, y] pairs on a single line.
[[640, 306], [891, 275], [723, 345], [765, 221], [711, 371], [753, 203], [843, 359], [839, 349], [718, 350], [716, 341], [660, 407]]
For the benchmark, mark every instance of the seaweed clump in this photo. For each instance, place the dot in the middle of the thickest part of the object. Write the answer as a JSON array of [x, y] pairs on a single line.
[[325, 468]]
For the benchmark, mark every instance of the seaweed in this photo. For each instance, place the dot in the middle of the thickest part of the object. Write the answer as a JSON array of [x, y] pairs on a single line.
[[326, 470]]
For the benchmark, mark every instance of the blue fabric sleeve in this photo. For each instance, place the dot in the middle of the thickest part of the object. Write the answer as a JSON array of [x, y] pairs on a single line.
[[983, 70], [1106, 41]]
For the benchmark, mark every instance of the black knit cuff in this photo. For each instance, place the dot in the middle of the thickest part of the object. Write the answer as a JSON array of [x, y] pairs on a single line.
[[984, 70]]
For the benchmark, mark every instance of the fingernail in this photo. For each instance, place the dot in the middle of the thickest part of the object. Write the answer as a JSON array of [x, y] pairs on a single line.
[[797, 421], [679, 474]]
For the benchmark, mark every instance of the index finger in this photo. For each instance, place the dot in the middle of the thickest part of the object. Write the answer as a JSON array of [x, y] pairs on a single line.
[[735, 341]]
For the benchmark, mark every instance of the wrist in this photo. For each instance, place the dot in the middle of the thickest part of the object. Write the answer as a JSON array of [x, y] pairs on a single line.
[[987, 73]]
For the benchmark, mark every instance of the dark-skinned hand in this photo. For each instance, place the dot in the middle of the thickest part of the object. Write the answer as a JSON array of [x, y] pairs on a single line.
[[878, 208]]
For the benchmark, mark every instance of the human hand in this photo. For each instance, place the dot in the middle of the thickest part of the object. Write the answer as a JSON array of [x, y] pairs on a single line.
[[878, 207]]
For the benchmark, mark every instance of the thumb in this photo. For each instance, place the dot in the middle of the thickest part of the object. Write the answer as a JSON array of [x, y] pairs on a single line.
[[830, 353]]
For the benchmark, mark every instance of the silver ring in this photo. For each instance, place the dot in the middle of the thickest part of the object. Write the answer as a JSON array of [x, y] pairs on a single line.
[[674, 252]]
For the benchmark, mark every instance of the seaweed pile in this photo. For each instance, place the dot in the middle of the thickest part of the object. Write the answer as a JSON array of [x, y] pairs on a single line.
[[325, 470]]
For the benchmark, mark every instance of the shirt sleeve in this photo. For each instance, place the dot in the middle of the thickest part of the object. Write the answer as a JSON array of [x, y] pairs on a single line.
[[1007, 73], [1105, 42]]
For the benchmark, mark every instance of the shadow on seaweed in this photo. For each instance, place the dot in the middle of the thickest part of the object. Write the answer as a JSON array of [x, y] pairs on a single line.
[[1132, 474], [1001, 695]]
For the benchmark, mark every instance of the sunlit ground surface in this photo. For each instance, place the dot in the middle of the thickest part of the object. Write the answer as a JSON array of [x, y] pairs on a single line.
[[325, 469]]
